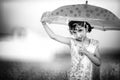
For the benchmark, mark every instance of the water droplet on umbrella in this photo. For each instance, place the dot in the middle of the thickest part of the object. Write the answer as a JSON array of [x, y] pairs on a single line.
[[105, 11], [85, 6], [57, 13], [77, 8], [52, 14], [91, 11], [61, 10], [75, 15], [71, 11], [88, 15]]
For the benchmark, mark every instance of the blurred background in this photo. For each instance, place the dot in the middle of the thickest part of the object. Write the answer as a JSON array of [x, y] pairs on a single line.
[[27, 53]]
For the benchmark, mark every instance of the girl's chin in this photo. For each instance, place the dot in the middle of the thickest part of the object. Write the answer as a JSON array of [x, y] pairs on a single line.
[[79, 38]]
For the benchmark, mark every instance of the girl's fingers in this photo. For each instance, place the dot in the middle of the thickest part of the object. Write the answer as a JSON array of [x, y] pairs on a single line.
[[46, 17], [43, 16]]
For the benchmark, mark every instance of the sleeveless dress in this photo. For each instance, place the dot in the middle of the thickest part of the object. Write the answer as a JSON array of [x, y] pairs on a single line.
[[81, 66]]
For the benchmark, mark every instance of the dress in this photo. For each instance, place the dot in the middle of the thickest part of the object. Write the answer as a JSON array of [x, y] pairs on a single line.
[[81, 66]]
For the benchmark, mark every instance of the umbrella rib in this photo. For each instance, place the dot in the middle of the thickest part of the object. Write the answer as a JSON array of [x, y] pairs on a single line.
[[99, 28], [112, 28], [105, 29]]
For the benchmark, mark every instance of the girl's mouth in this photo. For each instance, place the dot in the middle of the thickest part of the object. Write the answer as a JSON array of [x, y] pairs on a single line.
[[79, 38]]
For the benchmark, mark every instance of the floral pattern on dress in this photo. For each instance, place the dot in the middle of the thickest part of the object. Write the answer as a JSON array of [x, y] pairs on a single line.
[[81, 66]]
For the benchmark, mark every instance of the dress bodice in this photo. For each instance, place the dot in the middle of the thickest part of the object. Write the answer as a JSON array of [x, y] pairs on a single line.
[[81, 65]]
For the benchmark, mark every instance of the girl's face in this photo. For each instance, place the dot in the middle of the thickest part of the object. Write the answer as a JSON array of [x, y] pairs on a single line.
[[79, 32]]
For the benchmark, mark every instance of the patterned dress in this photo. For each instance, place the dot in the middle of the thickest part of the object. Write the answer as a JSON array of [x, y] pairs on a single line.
[[81, 66]]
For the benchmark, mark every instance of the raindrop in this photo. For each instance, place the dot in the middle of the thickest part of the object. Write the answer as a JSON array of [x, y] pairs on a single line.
[[65, 14], [52, 14], [57, 13], [91, 11], [88, 15], [61, 10], [75, 15], [105, 11], [77, 8], [71, 11]]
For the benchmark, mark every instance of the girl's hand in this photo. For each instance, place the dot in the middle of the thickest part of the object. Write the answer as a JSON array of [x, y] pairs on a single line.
[[45, 17], [84, 51], [43, 23]]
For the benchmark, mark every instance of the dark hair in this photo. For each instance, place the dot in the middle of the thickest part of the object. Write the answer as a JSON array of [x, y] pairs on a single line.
[[72, 25]]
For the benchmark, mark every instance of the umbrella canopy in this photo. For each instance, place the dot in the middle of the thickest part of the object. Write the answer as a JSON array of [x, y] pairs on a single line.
[[98, 17]]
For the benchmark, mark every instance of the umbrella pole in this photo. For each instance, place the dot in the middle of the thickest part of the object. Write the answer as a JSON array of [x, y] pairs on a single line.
[[86, 2]]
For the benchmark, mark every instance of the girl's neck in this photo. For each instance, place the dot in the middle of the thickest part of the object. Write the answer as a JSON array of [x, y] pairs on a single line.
[[81, 39], [85, 41]]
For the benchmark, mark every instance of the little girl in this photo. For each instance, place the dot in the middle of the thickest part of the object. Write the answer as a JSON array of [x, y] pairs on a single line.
[[84, 51]]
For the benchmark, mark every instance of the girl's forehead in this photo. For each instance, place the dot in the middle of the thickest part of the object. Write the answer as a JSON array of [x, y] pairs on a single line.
[[79, 27]]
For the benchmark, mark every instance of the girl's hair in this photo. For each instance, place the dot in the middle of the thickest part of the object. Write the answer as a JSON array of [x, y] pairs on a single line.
[[72, 25]]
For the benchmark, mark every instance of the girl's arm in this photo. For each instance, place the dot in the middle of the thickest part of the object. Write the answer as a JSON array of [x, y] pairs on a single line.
[[94, 58], [52, 35]]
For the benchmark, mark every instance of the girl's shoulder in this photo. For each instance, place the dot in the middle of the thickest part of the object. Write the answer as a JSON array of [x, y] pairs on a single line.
[[72, 39]]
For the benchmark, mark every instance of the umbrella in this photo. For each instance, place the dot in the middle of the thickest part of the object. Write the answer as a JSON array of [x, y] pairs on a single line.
[[98, 17]]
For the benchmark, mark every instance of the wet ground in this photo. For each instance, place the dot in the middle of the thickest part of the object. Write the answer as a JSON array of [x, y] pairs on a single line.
[[18, 70]]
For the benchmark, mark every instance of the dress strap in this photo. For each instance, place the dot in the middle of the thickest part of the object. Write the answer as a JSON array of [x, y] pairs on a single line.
[[93, 45]]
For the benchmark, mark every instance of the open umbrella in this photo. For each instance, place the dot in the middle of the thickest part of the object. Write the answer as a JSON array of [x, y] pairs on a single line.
[[98, 17]]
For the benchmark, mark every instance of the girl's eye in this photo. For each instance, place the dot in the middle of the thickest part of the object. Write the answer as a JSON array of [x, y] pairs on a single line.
[[79, 30], [74, 31]]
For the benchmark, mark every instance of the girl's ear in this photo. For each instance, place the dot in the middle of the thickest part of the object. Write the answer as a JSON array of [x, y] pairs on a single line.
[[71, 32], [87, 27]]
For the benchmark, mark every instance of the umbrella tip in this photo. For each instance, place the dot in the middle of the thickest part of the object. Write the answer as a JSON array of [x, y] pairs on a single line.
[[86, 2]]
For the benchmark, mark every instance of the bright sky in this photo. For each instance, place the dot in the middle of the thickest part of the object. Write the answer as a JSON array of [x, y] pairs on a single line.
[[37, 45]]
